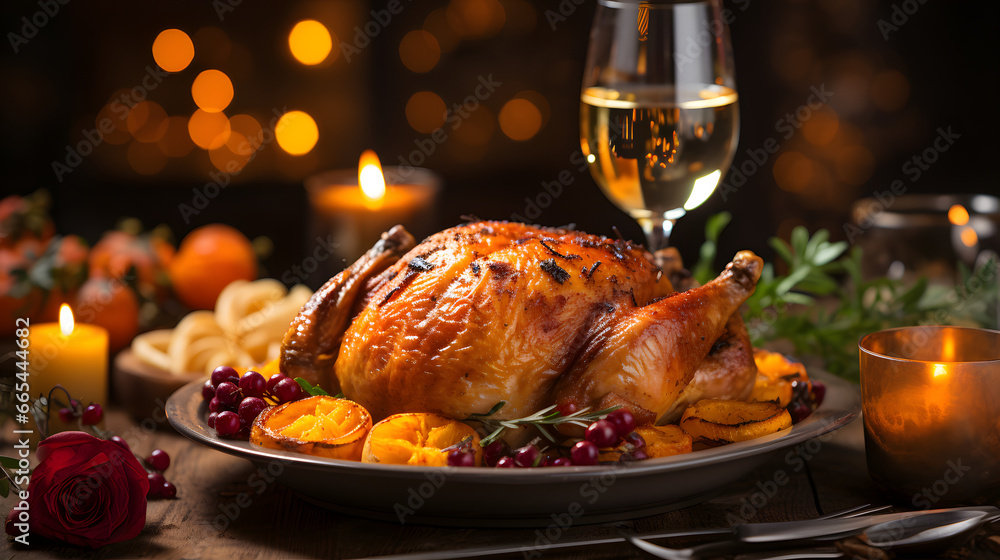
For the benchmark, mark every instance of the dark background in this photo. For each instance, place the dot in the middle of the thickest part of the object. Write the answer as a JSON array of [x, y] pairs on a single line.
[[891, 95]]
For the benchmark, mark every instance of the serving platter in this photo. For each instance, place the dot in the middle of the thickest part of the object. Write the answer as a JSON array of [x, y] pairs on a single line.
[[485, 497]]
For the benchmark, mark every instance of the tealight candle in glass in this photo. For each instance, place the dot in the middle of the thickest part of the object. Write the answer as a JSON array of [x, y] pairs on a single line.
[[931, 402]]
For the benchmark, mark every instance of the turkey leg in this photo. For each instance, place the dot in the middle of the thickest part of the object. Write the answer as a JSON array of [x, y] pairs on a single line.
[[313, 339], [649, 356]]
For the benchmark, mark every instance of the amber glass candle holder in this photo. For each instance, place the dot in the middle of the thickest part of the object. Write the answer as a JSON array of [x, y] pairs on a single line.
[[931, 402]]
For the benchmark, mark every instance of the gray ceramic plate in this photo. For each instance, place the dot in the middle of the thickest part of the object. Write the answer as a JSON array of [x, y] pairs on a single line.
[[519, 497]]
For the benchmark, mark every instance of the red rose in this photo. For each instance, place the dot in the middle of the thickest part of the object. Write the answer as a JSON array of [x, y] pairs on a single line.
[[85, 491]]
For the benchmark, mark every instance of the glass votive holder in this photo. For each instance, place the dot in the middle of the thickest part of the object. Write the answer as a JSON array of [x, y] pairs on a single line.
[[346, 221], [931, 409], [924, 235]]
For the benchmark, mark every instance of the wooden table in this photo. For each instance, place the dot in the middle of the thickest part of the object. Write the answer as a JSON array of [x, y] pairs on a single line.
[[222, 512]]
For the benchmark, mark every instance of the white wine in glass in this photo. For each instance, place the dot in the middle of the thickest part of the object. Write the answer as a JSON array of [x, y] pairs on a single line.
[[659, 109]]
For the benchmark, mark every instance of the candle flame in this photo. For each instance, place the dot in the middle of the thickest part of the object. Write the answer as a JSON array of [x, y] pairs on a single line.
[[66, 322], [969, 237], [940, 370], [958, 215], [370, 177]]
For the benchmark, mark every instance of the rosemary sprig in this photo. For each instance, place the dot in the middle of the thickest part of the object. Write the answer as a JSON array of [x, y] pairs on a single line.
[[545, 417]]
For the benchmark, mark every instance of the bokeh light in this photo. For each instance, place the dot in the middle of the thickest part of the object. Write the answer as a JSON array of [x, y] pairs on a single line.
[[958, 215], [296, 132], [310, 42], [212, 91], [425, 111], [208, 130], [821, 128], [114, 116], [247, 135], [793, 172], [854, 164], [476, 19], [145, 158], [419, 51], [477, 129], [890, 90], [520, 119], [147, 121], [173, 50], [176, 141], [228, 160]]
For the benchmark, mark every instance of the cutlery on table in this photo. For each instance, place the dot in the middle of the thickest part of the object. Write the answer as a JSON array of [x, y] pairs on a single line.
[[515, 549], [794, 533]]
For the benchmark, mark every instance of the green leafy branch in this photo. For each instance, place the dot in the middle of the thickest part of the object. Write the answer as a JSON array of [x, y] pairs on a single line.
[[822, 305], [545, 417]]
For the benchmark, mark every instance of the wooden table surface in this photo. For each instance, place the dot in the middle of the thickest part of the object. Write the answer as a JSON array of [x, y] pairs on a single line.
[[221, 512]]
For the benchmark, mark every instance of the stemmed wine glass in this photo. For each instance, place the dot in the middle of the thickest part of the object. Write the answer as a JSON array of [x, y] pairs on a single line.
[[659, 114]]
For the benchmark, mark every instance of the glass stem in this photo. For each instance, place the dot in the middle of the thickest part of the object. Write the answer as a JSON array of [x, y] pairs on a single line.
[[657, 232]]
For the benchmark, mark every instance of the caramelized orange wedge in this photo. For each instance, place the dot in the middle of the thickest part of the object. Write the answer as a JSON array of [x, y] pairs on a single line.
[[774, 366], [778, 391], [715, 421], [418, 438], [323, 426], [661, 441]]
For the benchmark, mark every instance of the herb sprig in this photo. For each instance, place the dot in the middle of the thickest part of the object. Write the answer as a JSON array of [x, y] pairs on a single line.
[[545, 417], [823, 304]]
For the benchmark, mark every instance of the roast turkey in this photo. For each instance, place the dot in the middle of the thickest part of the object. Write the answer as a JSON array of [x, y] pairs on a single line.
[[497, 311]]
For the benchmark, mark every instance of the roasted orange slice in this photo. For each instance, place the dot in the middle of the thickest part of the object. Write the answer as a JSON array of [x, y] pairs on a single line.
[[661, 441], [664, 441], [774, 366], [323, 426], [418, 438], [777, 391], [715, 421]]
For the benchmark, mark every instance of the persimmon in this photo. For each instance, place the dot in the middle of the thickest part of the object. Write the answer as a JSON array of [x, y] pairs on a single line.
[[321, 425], [112, 305], [418, 438], [208, 259]]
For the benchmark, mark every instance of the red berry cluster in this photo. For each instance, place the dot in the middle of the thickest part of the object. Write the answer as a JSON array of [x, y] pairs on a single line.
[[156, 463], [806, 397], [89, 416], [235, 401], [614, 430]]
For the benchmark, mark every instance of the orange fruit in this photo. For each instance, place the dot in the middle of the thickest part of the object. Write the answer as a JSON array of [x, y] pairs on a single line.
[[417, 438], [112, 305], [117, 252], [323, 426], [716, 421], [208, 259]]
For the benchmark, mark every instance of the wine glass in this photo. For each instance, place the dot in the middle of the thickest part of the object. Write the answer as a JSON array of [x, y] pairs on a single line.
[[659, 113]]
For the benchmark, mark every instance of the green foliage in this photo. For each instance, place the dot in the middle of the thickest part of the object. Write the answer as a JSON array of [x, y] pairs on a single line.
[[823, 305], [312, 390]]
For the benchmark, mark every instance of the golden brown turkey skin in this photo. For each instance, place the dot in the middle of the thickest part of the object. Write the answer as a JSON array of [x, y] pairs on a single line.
[[487, 312]]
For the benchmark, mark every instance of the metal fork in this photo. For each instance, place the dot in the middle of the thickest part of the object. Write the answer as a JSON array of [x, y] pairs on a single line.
[[496, 550]]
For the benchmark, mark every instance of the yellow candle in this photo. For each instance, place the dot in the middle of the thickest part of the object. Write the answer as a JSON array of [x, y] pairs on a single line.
[[71, 355]]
